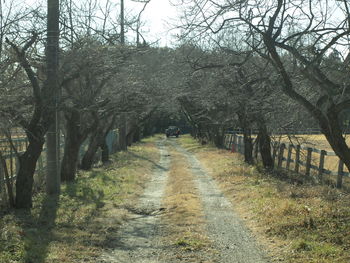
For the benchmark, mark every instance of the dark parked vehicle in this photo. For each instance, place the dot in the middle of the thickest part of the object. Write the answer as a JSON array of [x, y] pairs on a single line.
[[172, 131]]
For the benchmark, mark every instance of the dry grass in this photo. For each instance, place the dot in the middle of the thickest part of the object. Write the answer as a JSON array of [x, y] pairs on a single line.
[[184, 217], [79, 225], [318, 141], [297, 223]]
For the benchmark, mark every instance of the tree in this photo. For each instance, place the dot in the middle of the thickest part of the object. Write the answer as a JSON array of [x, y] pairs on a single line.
[[34, 125], [273, 30]]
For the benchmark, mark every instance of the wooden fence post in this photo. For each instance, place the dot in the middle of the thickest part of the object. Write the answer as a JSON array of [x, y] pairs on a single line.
[[308, 161], [289, 156], [297, 158], [321, 163], [280, 155], [340, 174]]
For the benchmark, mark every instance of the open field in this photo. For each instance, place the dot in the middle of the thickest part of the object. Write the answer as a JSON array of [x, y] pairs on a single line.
[[312, 140]]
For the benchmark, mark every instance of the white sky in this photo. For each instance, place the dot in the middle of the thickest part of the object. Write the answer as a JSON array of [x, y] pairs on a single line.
[[156, 18]]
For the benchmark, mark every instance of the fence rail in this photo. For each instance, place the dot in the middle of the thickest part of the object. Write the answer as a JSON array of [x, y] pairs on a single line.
[[298, 155]]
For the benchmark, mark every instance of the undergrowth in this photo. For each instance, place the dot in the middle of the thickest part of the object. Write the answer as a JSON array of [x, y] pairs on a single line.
[[79, 224]]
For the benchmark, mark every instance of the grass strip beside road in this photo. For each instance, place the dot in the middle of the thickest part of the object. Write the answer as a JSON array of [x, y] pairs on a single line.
[[79, 225], [184, 219], [296, 223]]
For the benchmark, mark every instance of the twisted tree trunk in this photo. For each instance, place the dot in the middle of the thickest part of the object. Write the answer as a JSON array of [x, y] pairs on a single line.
[[264, 142], [27, 163], [75, 136]]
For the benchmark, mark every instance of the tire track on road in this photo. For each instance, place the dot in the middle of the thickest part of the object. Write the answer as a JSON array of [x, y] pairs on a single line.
[[230, 237], [139, 240]]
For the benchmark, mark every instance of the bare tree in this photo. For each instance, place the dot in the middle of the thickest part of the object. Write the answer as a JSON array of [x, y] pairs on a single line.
[[307, 31]]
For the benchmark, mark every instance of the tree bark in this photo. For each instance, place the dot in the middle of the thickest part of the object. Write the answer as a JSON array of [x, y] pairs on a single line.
[[74, 139], [248, 146], [94, 144], [97, 139], [264, 142], [105, 152], [137, 134], [27, 163], [218, 137], [130, 138], [70, 160], [248, 142]]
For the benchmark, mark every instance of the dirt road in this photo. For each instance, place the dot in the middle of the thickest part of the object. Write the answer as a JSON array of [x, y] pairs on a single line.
[[144, 237]]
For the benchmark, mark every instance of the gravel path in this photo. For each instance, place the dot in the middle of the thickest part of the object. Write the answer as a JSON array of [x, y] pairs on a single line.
[[139, 239], [233, 241]]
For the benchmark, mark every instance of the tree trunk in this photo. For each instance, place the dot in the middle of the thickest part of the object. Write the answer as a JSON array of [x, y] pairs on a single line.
[[219, 138], [130, 138], [137, 134], [27, 163], [248, 146], [334, 136], [248, 142], [70, 160], [264, 142], [74, 139], [88, 158], [98, 139], [105, 152]]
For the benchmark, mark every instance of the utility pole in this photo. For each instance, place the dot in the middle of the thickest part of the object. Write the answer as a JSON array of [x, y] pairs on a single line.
[[122, 23], [53, 179]]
